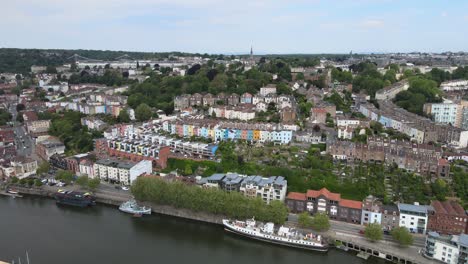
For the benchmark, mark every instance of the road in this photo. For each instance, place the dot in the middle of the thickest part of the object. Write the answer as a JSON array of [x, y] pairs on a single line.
[[104, 190], [353, 229], [23, 141]]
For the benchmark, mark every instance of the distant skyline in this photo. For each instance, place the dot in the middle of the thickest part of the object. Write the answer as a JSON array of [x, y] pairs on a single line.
[[219, 26]]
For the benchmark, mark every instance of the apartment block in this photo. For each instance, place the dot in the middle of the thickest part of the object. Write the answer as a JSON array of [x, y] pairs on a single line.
[[447, 249], [268, 189], [118, 171]]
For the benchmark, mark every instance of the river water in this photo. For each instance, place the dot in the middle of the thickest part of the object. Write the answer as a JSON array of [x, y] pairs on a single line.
[[66, 235]]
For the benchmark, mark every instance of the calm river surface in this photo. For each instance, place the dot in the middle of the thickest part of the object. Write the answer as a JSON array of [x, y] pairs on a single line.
[[65, 235]]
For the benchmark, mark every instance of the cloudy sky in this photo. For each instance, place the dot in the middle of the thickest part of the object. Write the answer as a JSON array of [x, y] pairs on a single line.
[[232, 26]]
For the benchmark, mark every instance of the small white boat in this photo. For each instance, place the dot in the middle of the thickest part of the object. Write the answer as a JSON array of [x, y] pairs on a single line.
[[12, 191], [131, 207]]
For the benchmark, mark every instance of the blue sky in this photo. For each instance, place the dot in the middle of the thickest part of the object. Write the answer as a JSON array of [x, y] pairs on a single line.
[[219, 26]]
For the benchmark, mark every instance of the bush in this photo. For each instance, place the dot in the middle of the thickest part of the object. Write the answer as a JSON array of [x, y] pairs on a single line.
[[321, 222], [304, 220], [374, 232], [213, 201], [403, 236], [37, 183], [94, 183]]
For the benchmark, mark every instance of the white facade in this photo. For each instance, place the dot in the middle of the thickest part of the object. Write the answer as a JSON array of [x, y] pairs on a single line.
[[448, 249], [123, 172], [413, 217], [445, 113], [267, 90]]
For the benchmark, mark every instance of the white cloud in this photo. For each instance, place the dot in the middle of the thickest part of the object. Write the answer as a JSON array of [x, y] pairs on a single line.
[[372, 23]]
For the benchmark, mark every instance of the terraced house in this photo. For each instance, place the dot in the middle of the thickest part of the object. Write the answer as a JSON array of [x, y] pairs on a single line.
[[423, 159], [221, 131]]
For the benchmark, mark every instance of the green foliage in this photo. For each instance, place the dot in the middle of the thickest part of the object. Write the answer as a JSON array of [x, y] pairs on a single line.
[[124, 117], [64, 175], [214, 201], [37, 183], [93, 183], [188, 170], [440, 189], [68, 128], [341, 76], [14, 179], [82, 181], [143, 112], [320, 222], [374, 232], [304, 220], [43, 168], [402, 236], [5, 117], [339, 102], [110, 78], [368, 78], [421, 91], [21, 60], [460, 183], [23, 181]]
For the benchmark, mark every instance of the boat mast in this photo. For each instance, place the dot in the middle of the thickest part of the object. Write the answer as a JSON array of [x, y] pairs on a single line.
[[27, 256]]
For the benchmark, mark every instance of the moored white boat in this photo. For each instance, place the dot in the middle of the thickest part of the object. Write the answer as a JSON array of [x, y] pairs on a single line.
[[132, 207], [283, 235]]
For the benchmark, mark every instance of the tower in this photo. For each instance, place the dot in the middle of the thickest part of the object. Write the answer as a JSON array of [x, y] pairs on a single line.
[[251, 53]]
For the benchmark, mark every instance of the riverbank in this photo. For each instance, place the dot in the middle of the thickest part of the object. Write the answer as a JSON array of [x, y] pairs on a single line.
[[383, 249]]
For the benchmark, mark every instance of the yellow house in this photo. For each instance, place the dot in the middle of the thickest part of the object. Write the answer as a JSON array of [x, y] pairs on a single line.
[[256, 134]]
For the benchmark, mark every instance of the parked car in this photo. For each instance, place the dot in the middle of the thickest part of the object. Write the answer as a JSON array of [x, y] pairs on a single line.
[[125, 188]]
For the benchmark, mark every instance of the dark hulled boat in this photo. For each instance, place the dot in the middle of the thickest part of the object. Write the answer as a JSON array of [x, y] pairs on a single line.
[[73, 198]]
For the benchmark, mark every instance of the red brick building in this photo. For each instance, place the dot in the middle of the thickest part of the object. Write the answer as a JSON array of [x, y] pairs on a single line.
[[448, 217], [324, 201]]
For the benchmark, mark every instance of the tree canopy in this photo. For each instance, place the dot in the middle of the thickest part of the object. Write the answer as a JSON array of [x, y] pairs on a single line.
[[374, 232], [214, 201], [402, 236]]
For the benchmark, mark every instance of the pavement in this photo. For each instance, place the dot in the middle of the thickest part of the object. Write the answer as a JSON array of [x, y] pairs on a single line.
[[353, 229]]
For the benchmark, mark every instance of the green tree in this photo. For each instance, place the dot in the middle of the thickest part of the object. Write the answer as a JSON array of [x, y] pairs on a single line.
[[14, 179], [143, 112], [188, 170], [321, 222], [402, 236], [37, 183], [82, 181], [124, 117], [94, 183], [440, 189], [23, 181], [304, 220], [64, 175], [43, 168], [374, 232]]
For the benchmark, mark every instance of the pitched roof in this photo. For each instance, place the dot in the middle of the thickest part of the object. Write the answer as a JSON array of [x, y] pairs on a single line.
[[325, 192], [448, 207], [296, 196], [350, 203]]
